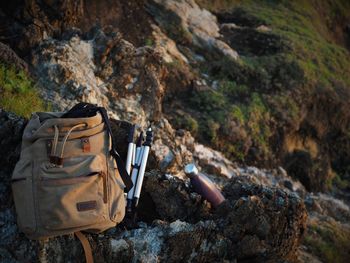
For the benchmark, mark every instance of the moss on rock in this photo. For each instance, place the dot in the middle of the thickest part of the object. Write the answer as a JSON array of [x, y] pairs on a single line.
[[18, 93]]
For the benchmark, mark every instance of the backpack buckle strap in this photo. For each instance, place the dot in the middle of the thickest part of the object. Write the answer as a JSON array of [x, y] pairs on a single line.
[[49, 144], [56, 160], [122, 171], [85, 144]]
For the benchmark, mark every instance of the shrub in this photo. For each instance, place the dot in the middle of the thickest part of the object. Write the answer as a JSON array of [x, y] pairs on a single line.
[[328, 240], [237, 114], [18, 93], [212, 131], [258, 120], [340, 182], [188, 123], [236, 150], [285, 107], [149, 42], [208, 101], [233, 90]]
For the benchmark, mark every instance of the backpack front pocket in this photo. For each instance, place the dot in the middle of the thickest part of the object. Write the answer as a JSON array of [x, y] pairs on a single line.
[[72, 201]]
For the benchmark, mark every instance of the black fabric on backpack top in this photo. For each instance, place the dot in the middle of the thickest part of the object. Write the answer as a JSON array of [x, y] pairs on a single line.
[[84, 109], [81, 110]]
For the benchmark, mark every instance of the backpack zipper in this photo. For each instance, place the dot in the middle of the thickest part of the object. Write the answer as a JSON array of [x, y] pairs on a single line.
[[104, 178]]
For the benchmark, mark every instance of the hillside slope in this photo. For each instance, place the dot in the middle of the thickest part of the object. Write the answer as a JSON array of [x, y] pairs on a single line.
[[227, 84]]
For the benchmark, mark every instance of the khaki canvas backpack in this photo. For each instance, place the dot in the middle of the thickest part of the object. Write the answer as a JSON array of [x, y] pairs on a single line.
[[69, 177]]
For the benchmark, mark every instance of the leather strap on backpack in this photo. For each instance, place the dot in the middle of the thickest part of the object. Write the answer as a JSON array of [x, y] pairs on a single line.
[[120, 163], [86, 246]]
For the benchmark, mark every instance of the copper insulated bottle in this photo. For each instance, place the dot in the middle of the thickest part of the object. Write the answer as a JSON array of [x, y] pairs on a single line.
[[204, 186]]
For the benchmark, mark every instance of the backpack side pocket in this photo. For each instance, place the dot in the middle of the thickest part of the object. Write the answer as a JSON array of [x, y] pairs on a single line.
[[22, 188], [116, 193]]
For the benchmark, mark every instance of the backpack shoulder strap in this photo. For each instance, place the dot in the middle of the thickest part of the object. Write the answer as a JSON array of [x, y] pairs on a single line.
[[86, 246], [120, 163]]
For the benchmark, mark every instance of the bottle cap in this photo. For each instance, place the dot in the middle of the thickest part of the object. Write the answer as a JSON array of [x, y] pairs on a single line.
[[191, 169]]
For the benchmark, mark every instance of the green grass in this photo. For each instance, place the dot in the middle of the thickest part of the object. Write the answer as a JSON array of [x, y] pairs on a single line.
[[258, 116], [233, 90], [178, 33], [330, 241], [18, 93], [187, 122], [341, 183], [308, 27], [149, 42], [285, 108], [219, 115], [237, 114], [213, 107], [256, 91]]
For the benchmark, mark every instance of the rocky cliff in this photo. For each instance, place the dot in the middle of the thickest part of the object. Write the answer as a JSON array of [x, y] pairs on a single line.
[[224, 86]]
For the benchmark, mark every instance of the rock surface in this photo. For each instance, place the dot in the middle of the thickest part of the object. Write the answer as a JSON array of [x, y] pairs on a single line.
[[8, 56], [251, 224], [167, 47], [27, 23], [98, 70], [191, 23], [66, 71], [213, 161]]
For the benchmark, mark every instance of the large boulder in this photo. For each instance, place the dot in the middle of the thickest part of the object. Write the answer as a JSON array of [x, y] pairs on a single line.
[[98, 71], [65, 71], [190, 24]]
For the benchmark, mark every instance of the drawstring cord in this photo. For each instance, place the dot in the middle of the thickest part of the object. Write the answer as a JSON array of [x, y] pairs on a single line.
[[55, 141], [54, 157], [67, 135]]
